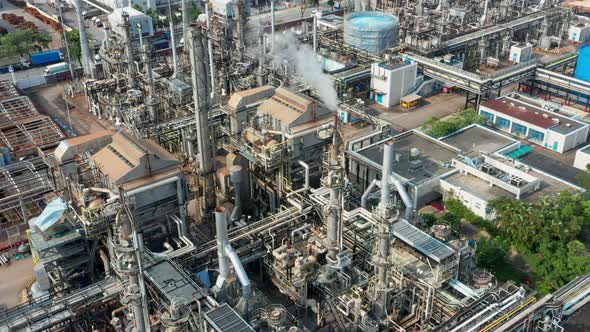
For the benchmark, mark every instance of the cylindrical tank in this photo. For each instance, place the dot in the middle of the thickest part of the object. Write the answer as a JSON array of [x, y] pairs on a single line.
[[583, 65], [371, 31]]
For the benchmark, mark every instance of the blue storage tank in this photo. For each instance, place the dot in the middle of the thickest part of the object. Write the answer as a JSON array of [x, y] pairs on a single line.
[[583, 65]]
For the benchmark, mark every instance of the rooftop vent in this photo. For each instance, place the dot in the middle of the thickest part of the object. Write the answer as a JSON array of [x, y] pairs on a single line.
[[556, 120], [522, 108], [545, 115], [568, 124]]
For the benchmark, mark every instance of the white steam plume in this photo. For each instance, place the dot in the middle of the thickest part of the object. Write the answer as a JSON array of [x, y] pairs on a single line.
[[307, 66]]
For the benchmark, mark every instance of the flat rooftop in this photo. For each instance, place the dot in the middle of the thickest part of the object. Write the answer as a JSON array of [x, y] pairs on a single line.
[[474, 139], [171, 283], [552, 166], [430, 163], [534, 115], [481, 188]]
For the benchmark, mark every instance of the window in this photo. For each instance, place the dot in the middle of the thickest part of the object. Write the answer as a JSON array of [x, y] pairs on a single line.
[[488, 115], [519, 130], [502, 123], [536, 136]]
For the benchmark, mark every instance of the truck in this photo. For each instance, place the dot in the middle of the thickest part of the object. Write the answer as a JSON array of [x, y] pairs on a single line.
[[17, 62], [56, 68], [46, 58], [91, 12]]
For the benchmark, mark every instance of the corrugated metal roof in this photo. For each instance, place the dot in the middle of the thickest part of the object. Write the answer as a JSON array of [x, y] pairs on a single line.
[[225, 319], [421, 241], [520, 112]]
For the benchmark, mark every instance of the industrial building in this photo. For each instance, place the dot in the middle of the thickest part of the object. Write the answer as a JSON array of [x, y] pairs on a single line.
[[537, 125], [250, 177]]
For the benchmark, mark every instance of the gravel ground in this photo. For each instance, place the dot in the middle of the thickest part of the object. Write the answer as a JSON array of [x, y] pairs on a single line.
[[15, 277]]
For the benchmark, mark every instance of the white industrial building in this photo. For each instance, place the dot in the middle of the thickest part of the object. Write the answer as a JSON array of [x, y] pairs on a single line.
[[390, 82], [537, 125], [520, 53], [136, 19], [484, 170], [582, 158], [579, 33]]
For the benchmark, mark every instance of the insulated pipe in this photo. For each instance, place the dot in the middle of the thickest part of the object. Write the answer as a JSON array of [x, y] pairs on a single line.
[[272, 25], [306, 185], [315, 34], [384, 203], [242, 276], [105, 261], [367, 192], [209, 51], [185, 19], [173, 46], [401, 189], [237, 180], [222, 240]]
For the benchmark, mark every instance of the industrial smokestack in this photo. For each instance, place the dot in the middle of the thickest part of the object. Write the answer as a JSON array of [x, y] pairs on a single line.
[[201, 98], [85, 50]]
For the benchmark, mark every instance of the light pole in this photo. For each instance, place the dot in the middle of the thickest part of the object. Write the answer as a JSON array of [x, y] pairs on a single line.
[[69, 58]]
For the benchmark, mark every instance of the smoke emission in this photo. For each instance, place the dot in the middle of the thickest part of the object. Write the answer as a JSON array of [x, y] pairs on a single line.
[[300, 57]]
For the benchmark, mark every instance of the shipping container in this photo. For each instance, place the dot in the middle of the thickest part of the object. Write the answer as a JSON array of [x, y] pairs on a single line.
[[56, 68], [45, 58]]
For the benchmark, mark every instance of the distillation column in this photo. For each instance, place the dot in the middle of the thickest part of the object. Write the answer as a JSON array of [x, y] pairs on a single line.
[[129, 50], [201, 97], [150, 85], [127, 267], [239, 29], [385, 214]]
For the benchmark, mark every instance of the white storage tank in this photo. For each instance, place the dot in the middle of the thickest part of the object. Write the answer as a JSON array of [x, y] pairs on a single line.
[[371, 31]]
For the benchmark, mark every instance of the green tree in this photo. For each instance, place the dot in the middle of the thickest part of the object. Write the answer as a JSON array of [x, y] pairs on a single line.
[[452, 219], [442, 128], [23, 42], [490, 253], [137, 7], [315, 3], [331, 3], [73, 37], [194, 11], [439, 128], [428, 219]]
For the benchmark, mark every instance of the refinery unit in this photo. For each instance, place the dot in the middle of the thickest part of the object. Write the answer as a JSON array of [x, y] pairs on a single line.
[[247, 181]]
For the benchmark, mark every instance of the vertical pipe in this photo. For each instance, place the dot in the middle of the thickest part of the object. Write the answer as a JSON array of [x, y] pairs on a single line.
[[315, 34], [86, 60], [150, 84], [222, 240], [235, 176], [210, 51], [173, 45], [185, 19], [272, 25], [385, 175], [201, 100]]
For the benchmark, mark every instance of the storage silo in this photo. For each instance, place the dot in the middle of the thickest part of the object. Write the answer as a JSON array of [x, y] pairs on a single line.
[[583, 65], [371, 31]]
